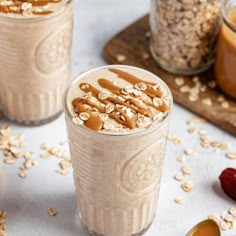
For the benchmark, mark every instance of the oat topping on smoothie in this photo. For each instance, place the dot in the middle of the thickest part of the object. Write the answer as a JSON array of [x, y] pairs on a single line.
[[125, 102], [28, 7]]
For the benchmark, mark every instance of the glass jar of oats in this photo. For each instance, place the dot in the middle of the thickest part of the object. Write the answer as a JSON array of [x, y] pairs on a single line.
[[184, 34]]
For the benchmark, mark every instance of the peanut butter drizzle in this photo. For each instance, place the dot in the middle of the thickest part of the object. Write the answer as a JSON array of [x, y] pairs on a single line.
[[117, 90], [38, 3], [9, 9], [41, 13], [95, 122], [6, 10], [90, 103], [134, 80], [152, 93], [128, 122]]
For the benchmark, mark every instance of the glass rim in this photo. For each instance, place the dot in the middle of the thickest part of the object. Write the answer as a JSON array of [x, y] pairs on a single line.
[[37, 17], [148, 130]]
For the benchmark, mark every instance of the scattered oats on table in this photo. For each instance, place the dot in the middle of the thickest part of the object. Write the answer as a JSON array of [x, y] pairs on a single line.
[[145, 56], [179, 177], [120, 57], [23, 175], [148, 34], [11, 145], [231, 155], [52, 212], [227, 220], [216, 218], [186, 170], [212, 84], [65, 165], [220, 145], [9, 160], [196, 120], [220, 98], [3, 219], [62, 143], [202, 132], [189, 151], [193, 97], [188, 186], [225, 104], [206, 143], [175, 139], [62, 172], [192, 130], [27, 164], [232, 211], [203, 88], [224, 225], [44, 146], [207, 101], [185, 89], [192, 91], [179, 81], [181, 158], [179, 200]]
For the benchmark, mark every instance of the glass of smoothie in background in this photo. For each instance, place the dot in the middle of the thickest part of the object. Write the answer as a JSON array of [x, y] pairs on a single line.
[[117, 121], [35, 47]]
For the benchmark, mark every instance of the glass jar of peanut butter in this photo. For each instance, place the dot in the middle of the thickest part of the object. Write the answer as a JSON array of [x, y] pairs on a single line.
[[184, 34], [225, 68]]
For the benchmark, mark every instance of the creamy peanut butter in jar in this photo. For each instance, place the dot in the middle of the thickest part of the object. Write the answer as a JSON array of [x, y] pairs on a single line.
[[117, 121], [35, 45], [225, 68]]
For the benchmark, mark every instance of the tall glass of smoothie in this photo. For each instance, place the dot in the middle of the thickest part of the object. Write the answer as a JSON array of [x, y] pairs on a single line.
[[117, 121], [35, 45]]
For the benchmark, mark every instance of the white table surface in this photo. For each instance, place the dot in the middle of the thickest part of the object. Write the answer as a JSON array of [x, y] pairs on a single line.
[[27, 200]]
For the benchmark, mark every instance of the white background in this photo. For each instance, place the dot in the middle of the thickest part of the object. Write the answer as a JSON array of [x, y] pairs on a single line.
[[27, 200]]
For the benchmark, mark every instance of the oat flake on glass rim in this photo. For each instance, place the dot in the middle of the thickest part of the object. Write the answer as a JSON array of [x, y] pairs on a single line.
[[184, 34], [117, 163]]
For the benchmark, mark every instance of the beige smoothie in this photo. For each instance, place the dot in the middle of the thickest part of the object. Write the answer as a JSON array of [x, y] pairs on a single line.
[[117, 120], [35, 45]]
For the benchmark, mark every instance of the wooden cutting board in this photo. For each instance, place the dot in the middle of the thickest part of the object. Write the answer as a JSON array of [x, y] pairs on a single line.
[[131, 47]]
